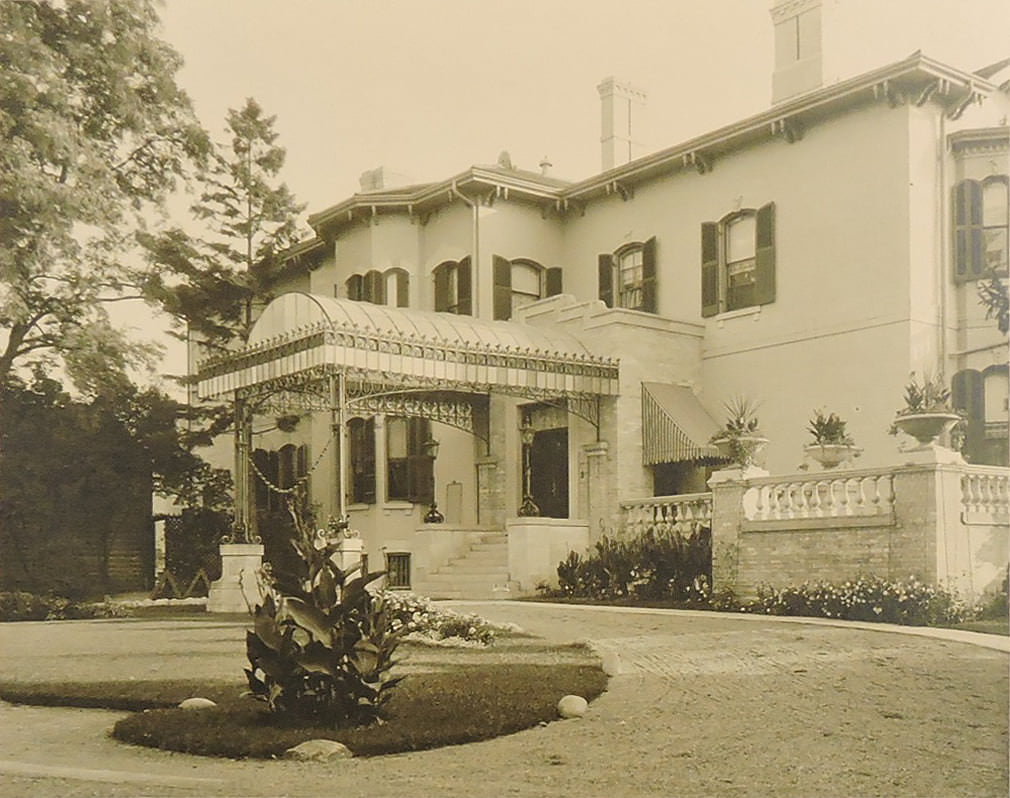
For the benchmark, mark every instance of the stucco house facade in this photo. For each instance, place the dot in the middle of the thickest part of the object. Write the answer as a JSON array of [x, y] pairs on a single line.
[[571, 345]]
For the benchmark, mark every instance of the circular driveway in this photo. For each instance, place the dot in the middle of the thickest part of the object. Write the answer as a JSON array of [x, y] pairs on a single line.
[[701, 704]]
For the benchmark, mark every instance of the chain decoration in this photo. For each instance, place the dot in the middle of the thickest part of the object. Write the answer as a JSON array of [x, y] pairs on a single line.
[[304, 478]]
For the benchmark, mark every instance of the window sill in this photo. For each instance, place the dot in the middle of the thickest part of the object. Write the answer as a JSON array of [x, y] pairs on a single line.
[[754, 311], [396, 504]]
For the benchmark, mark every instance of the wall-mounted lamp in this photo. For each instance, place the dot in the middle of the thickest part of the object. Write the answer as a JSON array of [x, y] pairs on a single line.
[[430, 449], [528, 506]]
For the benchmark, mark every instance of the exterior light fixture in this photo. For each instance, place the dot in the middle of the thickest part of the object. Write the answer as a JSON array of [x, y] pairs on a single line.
[[433, 516], [528, 506]]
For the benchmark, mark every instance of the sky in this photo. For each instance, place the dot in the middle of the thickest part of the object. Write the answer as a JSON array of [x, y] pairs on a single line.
[[428, 88]]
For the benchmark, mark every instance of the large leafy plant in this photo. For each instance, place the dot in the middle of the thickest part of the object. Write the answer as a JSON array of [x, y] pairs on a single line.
[[828, 429], [322, 644]]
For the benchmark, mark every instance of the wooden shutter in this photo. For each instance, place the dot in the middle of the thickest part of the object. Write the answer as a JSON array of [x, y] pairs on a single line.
[[442, 286], [709, 268], [605, 266], [402, 289], [649, 300], [354, 287], [553, 284], [968, 394], [464, 299], [502, 288], [764, 267], [374, 288], [969, 242], [420, 467]]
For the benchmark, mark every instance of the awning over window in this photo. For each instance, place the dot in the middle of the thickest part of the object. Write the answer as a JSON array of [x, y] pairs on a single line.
[[300, 336], [675, 427]]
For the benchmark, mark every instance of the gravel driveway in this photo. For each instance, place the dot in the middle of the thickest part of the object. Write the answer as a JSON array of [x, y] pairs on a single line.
[[702, 705]]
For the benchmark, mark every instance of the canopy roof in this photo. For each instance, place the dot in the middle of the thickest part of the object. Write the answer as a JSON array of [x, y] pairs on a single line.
[[301, 337], [675, 426]]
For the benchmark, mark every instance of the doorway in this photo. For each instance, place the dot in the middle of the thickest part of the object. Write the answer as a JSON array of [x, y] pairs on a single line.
[[549, 472]]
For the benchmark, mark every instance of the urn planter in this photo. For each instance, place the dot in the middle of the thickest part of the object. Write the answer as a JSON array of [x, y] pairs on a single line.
[[926, 428], [740, 449], [831, 455]]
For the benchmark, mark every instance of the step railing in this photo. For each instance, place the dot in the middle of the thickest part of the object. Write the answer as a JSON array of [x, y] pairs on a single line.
[[854, 495], [985, 496], [683, 513]]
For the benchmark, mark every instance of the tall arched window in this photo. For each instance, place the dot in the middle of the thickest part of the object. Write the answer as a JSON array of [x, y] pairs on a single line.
[[520, 282], [627, 277], [453, 287], [981, 222]]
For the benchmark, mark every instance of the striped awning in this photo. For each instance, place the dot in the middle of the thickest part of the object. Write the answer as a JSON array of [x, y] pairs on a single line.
[[303, 335], [675, 426]]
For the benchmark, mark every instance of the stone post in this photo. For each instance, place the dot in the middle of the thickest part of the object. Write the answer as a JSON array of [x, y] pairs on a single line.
[[490, 492], [601, 509], [728, 487], [348, 554], [238, 588]]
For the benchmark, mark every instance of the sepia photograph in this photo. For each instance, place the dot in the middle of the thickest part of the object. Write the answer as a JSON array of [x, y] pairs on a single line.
[[421, 398]]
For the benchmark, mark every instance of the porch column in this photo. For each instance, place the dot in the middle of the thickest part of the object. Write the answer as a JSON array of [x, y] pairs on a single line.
[[600, 494], [490, 492], [246, 525]]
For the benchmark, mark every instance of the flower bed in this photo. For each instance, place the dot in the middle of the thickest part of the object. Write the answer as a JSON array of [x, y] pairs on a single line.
[[427, 624]]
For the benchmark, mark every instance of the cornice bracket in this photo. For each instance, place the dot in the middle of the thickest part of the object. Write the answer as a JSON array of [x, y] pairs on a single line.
[[790, 129], [955, 110], [887, 91], [927, 93], [699, 161]]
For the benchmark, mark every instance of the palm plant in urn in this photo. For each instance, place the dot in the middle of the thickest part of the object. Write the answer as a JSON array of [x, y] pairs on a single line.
[[832, 445], [928, 412], [740, 440]]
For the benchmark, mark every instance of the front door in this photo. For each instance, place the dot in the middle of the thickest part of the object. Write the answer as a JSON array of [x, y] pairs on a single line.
[[549, 472]]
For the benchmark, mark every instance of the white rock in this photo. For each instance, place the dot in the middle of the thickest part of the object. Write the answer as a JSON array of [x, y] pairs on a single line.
[[572, 706], [318, 751], [197, 703]]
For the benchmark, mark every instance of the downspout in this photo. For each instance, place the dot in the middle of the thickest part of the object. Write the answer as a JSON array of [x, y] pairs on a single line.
[[474, 247], [944, 254]]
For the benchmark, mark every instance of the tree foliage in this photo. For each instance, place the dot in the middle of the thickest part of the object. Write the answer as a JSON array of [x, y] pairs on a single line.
[[211, 283], [95, 131], [992, 294]]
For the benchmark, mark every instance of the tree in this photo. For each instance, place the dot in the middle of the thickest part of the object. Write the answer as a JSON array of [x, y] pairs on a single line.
[[210, 284], [992, 294], [95, 132]]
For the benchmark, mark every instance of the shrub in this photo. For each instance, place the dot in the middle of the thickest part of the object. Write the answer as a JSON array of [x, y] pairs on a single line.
[[23, 606], [911, 603], [995, 606], [322, 645], [656, 565]]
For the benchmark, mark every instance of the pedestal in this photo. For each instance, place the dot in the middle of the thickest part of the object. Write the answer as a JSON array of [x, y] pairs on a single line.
[[238, 589]]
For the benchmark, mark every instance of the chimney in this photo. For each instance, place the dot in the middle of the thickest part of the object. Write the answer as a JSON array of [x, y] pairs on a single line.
[[622, 120], [382, 178], [799, 52]]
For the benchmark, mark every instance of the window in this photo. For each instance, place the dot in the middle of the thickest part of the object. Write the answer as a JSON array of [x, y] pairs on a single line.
[[398, 569], [980, 228], [738, 261], [361, 451], [627, 278], [520, 282], [982, 397], [276, 471], [452, 287], [408, 468], [380, 288]]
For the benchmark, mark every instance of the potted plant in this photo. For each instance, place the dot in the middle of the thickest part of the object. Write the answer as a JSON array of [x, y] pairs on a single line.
[[832, 444], [740, 440], [927, 413]]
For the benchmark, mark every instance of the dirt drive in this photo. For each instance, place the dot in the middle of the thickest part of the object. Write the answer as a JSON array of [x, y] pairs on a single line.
[[702, 705]]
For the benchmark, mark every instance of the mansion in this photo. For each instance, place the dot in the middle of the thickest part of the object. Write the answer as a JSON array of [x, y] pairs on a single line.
[[495, 368]]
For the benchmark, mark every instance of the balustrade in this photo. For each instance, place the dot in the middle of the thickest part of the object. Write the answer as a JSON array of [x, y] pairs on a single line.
[[985, 496], [682, 514], [852, 495]]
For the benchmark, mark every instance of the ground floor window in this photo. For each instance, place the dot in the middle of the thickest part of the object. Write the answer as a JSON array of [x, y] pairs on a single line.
[[398, 569], [408, 465]]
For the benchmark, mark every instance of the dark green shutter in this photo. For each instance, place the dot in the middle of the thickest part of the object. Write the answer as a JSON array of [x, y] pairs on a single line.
[[969, 242], [354, 287], [968, 395], [420, 467], [402, 289], [605, 265], [553, 281], [442, 286], [649, 300], [709, 268], [764, 268], [464, 299], [502, 288]]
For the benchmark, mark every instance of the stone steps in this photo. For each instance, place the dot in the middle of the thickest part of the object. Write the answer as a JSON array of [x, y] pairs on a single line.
[[481, 572]]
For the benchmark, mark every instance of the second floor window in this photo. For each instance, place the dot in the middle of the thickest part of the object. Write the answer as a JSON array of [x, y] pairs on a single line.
[[520, 282], [981, 221], [391, 287], [627, 278], [738, 261], [453, 287]]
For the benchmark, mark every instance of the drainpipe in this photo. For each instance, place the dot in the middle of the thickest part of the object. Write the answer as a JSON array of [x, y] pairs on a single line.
[[475, 248], [944, 255]]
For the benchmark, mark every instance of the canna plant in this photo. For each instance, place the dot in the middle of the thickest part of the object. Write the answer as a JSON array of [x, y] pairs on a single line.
[[322, 645]]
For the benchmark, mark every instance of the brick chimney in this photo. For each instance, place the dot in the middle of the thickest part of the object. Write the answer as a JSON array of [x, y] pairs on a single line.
[[622, 118]]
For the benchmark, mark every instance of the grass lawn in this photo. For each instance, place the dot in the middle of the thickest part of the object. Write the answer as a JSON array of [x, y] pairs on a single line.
[[455, 697]]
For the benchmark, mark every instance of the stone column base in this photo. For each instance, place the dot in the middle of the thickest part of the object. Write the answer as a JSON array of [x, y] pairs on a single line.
[[238, 589]]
